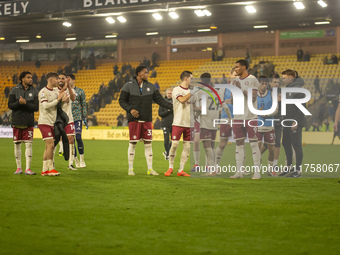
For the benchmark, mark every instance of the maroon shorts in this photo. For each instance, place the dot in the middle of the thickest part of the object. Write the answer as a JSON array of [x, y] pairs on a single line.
[[23, 135], [242, 129], [140, 131], [47, 131], [269, 137], [178, 131], [196, 127], [225, 131], [69, 129], [208, 134]]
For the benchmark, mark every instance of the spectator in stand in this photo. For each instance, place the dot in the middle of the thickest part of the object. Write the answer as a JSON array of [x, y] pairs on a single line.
[[120, 122], [43, 82], [60, 70], [247, 56], [6, 92], [325, 60], [123, 69], [126, 78], [220, 54], [120, 81], [154, 58], [115, 70], [334, 60], [317, 84], [153, 73], [306, 57], [214, 55], [15, 79], [224, 79], [125, 122], [37, 63], [157, 124], [299, 55], [157, 85], [92, 62], [67, 69], [35, 79]]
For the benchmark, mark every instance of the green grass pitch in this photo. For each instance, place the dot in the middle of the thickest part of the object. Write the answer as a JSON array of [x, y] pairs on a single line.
[[102, 210]]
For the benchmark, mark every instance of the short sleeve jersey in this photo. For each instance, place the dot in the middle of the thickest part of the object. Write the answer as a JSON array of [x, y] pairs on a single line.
[[47, 116], [249, 82], [181, 111]]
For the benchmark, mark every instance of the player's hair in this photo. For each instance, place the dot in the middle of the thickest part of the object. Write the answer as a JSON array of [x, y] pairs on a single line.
[[276, 76], [290, 72], [243, 62], [139, 69], [185, 74], [52, 74], [263, 78], [63, 74], [206, 78], [23, 75], [71, 75]]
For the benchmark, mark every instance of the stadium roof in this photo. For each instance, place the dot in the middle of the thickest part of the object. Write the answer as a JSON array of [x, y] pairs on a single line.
[[27, 19]]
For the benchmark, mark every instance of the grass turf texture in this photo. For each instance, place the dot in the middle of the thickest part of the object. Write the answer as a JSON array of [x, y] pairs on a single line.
[[102, 210]]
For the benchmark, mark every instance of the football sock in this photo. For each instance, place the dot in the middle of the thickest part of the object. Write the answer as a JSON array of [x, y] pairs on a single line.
[[131, 154], [71, 159], [81, 157], [197, 157], [185, 155], [28, 155], [45, 166], [256, 155], [17, 154], [275, 162], [239, 157], [61, 149], [210, 157], [148, 155], [172, 152], [219, 154], [80, 144], [50, 164]]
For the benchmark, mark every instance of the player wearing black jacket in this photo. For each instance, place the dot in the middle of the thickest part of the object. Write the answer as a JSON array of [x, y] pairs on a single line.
[[167, 119], [136, 99], [23, 101]]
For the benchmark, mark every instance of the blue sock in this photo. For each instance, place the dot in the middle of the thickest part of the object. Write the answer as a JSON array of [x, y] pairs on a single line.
[[80, 144]]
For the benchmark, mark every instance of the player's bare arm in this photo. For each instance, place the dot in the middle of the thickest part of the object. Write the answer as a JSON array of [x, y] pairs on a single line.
[[183, 99]]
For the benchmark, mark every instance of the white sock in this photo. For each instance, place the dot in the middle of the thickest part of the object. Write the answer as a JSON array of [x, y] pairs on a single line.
[[71, 159], [131, 155], [210, 157], [197, 157], [17, 154], [45, 166], [172, 153], [81, 157], [28, 155], [275, 162], [50, 164], [148, 155], [256, 155], [219, 154], [185, 155], [270, 166], [61, 148], [239, 157]]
